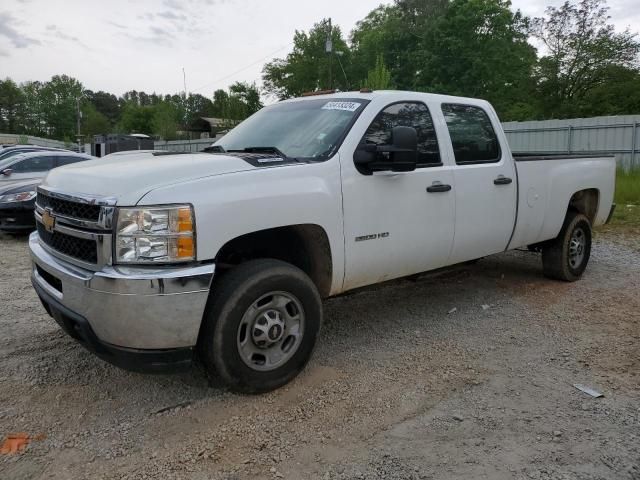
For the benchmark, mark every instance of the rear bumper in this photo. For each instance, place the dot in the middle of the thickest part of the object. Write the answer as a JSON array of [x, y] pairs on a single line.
[[125, 315]]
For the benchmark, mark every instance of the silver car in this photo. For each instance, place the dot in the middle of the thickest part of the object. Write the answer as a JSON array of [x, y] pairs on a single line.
[[34, 165]]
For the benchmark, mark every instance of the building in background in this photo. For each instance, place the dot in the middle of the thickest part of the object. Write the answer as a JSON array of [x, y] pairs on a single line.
[[105, 144]]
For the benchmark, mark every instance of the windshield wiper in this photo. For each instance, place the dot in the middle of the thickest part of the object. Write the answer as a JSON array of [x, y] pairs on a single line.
[[275, 150]]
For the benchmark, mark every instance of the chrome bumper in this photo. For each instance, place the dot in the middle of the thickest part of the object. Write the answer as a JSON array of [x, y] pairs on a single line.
[[130, 307]]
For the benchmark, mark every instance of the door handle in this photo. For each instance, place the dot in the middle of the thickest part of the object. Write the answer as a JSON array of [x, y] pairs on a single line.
[[438, 187], [502, 180]]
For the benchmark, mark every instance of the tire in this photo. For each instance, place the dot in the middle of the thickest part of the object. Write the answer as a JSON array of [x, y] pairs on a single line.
[[566, 257], [250, 307]]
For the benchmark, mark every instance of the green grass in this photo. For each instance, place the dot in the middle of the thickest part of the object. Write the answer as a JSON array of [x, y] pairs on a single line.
[[628, 187]]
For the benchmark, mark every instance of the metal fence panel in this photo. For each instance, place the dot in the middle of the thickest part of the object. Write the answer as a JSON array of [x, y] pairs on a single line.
[[615, 135]]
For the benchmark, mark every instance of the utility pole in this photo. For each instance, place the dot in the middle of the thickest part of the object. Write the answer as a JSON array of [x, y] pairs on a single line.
[[186, 104], [328, 46], [78, 117]]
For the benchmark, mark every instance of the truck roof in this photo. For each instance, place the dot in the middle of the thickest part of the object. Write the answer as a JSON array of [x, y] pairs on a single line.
[[393, 95]]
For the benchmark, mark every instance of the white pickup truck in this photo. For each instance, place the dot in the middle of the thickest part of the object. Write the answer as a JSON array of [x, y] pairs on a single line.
[[151, 260]]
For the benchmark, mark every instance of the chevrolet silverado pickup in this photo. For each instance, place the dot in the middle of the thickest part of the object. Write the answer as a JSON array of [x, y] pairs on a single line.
[[225, 256]]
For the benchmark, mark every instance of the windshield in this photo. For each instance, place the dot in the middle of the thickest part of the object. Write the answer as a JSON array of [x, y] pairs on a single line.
[[311, 129], [9, 159]]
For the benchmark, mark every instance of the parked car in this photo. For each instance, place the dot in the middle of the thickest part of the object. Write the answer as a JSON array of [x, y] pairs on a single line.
[[17, 197], [17, 203], [228, 254], [36, 164], [7, 152]]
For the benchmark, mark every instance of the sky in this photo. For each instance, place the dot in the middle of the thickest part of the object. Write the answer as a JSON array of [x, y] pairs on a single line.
[[143, 45]]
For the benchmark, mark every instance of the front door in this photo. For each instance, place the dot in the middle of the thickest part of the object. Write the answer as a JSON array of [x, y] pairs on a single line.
[[486, 184], [397, 224]]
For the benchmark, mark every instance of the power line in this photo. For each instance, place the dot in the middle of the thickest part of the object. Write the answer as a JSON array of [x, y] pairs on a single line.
[[209, 84]]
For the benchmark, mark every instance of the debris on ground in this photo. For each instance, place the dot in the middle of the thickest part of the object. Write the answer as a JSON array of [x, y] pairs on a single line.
[[588, 390]]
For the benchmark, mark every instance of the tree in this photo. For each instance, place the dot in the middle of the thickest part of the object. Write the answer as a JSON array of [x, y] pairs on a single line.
[[379, 77], [249, 95], [136, 119], [59, 98], [581, 48], [12, 107], [479, 48], [93, 122], [165, 121], [105, 103], [308, 67]]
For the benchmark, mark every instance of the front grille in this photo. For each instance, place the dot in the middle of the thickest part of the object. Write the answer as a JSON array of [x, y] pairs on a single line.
[[79, 248], [68, 208]]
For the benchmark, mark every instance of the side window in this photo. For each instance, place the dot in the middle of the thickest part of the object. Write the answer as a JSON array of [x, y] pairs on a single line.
[[472, 135], [407, 114], [35, 164], [68, 160]]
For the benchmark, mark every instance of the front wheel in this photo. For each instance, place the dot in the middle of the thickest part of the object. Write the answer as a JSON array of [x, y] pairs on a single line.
[[261, 325], [566, 257]]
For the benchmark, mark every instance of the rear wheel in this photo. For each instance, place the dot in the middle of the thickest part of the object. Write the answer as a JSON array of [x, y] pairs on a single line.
[[261, 325], [566, 257]]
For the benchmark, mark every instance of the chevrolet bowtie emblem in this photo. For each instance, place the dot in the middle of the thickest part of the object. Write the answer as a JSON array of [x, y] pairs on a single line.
[[48, 220]]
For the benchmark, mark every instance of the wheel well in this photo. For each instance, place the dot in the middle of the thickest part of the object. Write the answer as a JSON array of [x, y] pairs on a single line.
[[305, 246], [586, 202]]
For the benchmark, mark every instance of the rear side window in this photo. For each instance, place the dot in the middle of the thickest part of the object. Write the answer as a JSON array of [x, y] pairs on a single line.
[[35, 164], [69, 160], [407, 114], [472, 135]]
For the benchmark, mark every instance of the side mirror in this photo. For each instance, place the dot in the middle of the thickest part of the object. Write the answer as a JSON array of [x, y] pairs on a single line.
[[400, 156], [7, 172]]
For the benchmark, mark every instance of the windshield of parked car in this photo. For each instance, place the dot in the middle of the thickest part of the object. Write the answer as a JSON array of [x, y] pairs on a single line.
[[6, 161], [307, 129], [11, 153]]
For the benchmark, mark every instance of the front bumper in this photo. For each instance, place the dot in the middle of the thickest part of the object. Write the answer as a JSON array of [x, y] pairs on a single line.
[[139, 318], [17, 217]]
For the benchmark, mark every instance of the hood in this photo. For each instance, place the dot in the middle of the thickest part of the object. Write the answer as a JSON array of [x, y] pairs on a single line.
[[129, 177], [18, 186]]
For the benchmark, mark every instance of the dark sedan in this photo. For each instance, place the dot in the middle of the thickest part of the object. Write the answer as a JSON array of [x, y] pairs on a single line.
[[17, 202]]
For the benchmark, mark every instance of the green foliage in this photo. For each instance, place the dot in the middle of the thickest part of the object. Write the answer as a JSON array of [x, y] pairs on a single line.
[[93, 122], [379, 78], [136, 119], [165, 121], [582, 52], [308, 67], [627, 187], [479, 48], [241, 101], [59, 98]]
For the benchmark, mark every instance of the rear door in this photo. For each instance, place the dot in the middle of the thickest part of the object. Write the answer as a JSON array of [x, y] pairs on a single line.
[[485, 180]]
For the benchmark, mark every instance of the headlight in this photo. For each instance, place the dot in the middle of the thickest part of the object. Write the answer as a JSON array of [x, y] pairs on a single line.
[[18, 197], [155, 234]]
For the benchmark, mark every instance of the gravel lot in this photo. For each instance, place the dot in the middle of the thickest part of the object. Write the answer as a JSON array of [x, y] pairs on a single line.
[[400, 387]]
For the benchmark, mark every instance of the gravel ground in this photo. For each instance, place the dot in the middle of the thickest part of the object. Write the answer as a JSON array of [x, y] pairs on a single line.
[[402, 386]]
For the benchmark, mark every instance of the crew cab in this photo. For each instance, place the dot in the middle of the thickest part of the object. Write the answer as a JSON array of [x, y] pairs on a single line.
[[151, 260]]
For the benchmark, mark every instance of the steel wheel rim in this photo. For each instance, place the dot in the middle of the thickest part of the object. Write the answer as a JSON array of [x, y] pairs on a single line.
[[271, 331], [577, 247]]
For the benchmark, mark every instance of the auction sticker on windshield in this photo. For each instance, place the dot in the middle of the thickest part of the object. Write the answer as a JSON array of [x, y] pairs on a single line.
[[348, 106]]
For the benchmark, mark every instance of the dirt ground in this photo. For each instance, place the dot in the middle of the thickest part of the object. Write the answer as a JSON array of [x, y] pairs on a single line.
[[401, 386]]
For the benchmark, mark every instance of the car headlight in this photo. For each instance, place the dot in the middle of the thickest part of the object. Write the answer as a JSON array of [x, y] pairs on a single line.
[[155, 235], [18, 197]]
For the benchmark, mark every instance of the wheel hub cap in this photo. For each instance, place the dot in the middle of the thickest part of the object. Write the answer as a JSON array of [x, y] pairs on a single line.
[[577, 246], [270, 331]]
